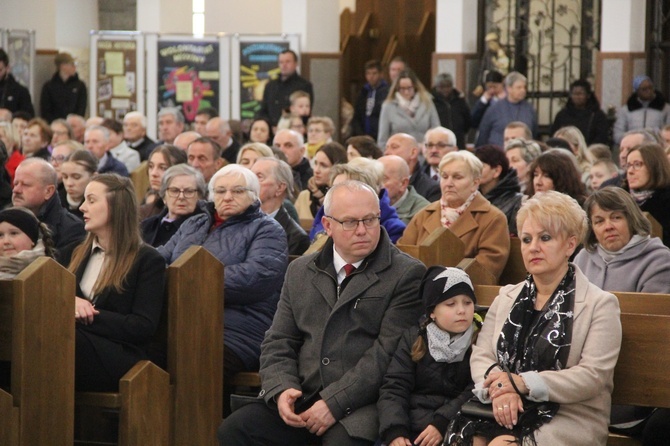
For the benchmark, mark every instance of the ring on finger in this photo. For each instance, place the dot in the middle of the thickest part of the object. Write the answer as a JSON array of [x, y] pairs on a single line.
[[500, 385], [506, 406], [76, 314], [500, 408]]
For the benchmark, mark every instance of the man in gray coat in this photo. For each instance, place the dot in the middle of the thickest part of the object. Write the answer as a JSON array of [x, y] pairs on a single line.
[[338, 321]]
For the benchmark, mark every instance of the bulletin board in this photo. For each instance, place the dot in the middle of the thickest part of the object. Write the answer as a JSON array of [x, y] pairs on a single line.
[[116, 84], [20, 47], [253, 65]]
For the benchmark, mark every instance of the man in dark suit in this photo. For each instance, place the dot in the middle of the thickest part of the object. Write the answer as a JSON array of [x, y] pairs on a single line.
[[218, 129], [135, 134], [96, 141], [13, 96], [277, 91], [338, 321], [406, 147]]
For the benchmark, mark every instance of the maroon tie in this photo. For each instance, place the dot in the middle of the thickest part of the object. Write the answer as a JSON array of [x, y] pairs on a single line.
[[348, 269]]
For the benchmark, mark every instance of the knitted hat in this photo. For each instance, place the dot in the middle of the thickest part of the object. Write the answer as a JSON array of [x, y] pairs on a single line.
[[23, 220], [638, 81], [62, 58], [440, 283]]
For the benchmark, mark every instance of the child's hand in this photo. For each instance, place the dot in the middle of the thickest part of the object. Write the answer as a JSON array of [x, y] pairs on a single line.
[[429, 437], [400, 441]]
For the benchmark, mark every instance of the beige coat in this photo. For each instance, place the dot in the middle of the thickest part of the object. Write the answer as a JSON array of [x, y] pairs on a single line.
[[584, 388], [302, 204], [482, 228]]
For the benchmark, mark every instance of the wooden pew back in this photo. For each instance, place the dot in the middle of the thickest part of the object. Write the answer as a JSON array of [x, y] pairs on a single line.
[[515, 270], [37, 336], [195, 345], [441, 247]]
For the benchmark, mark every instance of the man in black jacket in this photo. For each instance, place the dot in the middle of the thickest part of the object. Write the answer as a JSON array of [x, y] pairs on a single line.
[[277, 91], [13, 96], [369, 103], [64, 93], [35, 184], [451, 107]]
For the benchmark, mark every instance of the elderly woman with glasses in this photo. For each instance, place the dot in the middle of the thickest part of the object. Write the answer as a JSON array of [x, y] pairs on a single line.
[[254, 250], [648, 181], [181, 188]]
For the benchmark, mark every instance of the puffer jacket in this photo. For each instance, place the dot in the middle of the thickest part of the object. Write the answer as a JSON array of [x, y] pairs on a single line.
[[388, 218], [507, 197], [636, 115], [415, 395], [253, 248]]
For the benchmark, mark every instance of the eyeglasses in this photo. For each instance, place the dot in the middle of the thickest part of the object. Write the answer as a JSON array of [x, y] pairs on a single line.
[[635, 165], [174, 192], [405, 88], [235, 192], [352, 225], [441, 145], [58, 159]]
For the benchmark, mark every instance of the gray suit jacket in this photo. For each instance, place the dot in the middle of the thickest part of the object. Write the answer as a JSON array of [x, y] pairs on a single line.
[[412, 204], [338, 349]]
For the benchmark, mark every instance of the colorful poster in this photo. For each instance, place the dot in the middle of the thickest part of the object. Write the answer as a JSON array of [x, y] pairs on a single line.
[[115, 89], [258, 65], [188, 75]]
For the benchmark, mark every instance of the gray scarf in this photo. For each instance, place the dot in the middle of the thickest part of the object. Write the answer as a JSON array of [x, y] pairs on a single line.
[[444, 347]]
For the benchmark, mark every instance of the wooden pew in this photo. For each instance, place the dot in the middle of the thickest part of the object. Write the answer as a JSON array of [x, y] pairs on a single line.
[[656, 228], [441, 247], [478, 274], [641, 374], [515, 270], [37, 336], [182, 405], [140, 179]]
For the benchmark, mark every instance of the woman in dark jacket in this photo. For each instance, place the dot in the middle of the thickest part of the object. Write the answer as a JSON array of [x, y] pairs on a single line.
[[120, 284], [499, 184], [181, 188], [428, 379], [583, 111], [253, 248], [648, 181]]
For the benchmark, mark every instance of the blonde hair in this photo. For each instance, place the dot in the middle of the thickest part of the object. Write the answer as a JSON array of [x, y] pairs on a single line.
[[471, 161], [557, 212]]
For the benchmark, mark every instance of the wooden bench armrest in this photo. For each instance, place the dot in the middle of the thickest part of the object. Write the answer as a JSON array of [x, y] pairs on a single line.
[[247, 379], [478, 274]]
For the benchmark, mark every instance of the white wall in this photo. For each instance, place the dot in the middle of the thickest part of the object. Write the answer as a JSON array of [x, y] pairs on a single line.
[[622, 26], [244, 17], [74, 21], [456, 26], [31, 14]]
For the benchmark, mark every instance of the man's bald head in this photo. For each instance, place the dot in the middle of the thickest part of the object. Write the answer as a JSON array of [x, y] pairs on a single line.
[[405, 146]]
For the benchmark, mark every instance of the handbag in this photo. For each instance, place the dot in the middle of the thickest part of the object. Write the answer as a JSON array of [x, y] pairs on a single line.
[[473, 408]]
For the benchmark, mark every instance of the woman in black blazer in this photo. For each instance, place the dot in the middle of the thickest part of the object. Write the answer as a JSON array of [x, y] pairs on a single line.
[[120, 286]]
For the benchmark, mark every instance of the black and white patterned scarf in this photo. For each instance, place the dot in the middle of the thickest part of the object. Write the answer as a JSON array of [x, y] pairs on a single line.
[[544, 345]]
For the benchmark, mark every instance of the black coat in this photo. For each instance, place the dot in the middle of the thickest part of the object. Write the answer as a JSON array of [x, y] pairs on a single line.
[[122, 332], [454, 114], [415, 395], [230, 153], [298, 240], [303, 172], [65, 227], [156, 232], [658, 205], [362, 124], [14, 96], [276, 96], [507, 197], [592, 122], [59, 98], [145, 147]]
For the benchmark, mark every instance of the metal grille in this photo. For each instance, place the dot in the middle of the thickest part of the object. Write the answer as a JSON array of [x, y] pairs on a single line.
[[552, 42], [658, 16]]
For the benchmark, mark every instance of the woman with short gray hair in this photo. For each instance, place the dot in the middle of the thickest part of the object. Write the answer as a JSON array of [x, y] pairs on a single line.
[[181, 188]]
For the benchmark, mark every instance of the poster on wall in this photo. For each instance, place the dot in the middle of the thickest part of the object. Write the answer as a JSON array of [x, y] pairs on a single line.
[[20, 47], [117, 69], [255, 64], [188, 74]]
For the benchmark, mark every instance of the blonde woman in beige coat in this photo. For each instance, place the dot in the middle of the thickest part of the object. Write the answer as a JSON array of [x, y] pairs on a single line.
[[569, 339]]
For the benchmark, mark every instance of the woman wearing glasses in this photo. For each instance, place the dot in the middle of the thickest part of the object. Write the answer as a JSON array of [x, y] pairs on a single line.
[[254, 250], [181, 188], [648, 181], [408, 109]]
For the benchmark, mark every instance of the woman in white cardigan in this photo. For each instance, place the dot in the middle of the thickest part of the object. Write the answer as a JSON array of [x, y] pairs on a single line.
[[553, 339], [408, 109]]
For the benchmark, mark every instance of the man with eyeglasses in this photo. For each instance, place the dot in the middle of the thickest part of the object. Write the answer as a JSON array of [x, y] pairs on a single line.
[[438, 142], [337, 324], [646, 108]]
